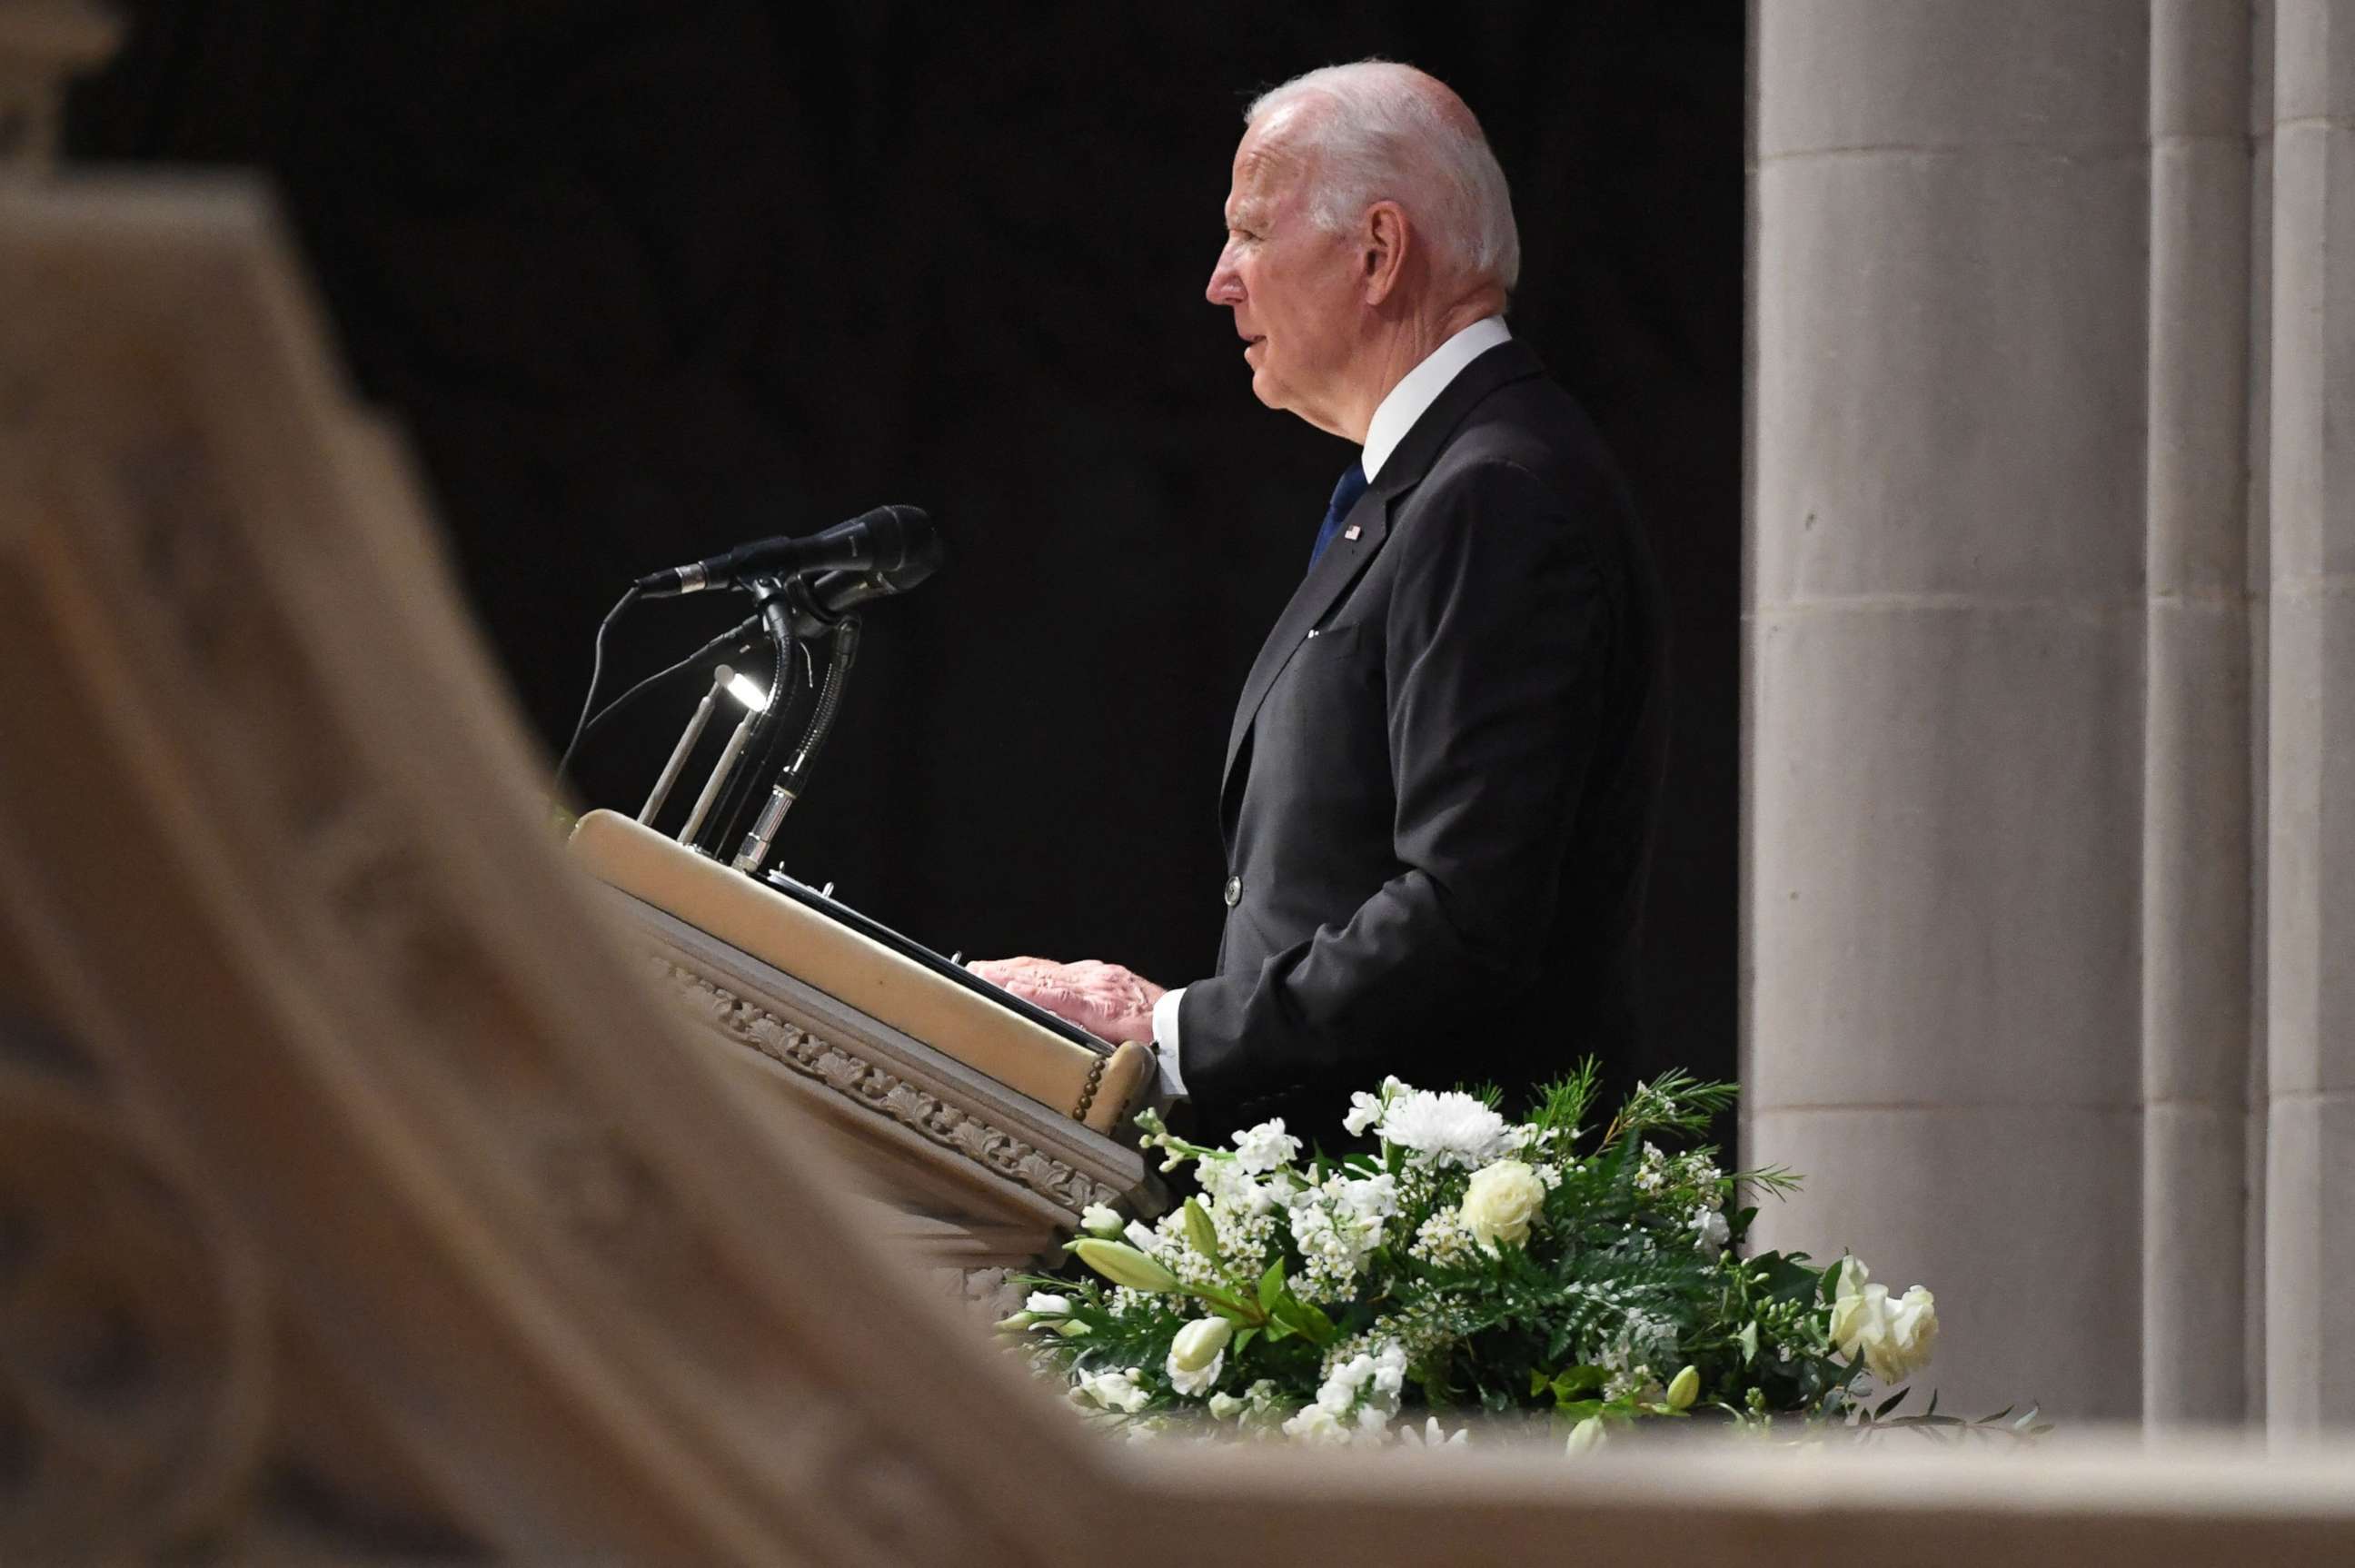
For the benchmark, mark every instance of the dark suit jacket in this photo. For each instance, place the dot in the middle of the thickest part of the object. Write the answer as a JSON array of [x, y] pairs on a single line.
[[1439, 784]]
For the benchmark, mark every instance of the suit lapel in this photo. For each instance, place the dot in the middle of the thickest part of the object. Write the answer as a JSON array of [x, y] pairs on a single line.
[[1346, 557], [1334, 572]]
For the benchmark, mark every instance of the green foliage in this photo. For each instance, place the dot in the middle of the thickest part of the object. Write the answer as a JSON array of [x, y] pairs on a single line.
[[1627, 1270]]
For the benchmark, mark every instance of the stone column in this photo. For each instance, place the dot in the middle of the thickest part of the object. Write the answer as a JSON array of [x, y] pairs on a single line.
[[2196, 763], [2310, 908], [2259, 449], [1946, 669]]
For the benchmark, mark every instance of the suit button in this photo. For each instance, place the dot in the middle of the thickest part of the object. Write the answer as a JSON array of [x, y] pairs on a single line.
[[1234, 891]]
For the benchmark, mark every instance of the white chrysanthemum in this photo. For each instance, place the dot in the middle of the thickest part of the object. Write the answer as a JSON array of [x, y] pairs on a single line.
[[1261, 1148], [1447, 1129]]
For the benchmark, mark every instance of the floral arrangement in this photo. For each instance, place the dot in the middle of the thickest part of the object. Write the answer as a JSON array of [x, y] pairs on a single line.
[[1471, 1263]]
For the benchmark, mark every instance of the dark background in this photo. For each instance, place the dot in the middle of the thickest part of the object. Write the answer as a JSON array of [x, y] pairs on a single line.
[[645, 280]]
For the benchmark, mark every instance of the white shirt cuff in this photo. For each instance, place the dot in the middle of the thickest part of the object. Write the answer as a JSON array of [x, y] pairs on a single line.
[[1164, 1043]]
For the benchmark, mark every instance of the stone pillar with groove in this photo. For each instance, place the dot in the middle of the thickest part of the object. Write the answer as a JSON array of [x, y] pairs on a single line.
[[2196, 815], [2310, 908], [1945, 670]]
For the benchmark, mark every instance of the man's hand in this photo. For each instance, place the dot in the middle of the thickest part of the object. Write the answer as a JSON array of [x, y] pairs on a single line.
[[1105, 999]]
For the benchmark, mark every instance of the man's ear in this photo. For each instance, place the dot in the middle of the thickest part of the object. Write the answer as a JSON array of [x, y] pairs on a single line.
[[1382, 249]]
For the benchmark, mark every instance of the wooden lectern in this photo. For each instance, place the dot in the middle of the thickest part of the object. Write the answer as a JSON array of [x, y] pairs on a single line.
[[986, 1129]]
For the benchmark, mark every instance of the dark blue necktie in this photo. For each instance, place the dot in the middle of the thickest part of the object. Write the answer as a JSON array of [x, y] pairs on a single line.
[[1345, 495]]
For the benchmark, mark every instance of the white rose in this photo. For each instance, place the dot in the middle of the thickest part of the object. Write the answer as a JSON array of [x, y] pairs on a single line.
[[1045, 1305], [1099, 1219], [1894, 1339], [1198, 1354], [1850, 1307], [1500, 1202], [1913, 1333]]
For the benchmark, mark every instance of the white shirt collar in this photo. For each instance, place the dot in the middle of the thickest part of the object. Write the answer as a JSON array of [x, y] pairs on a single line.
[[1420, 388]]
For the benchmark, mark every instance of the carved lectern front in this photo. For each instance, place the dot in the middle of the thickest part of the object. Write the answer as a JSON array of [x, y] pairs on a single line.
[[988, 1129]]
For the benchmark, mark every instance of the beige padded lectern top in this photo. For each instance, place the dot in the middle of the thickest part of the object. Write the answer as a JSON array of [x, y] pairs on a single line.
[[1091, 1088]]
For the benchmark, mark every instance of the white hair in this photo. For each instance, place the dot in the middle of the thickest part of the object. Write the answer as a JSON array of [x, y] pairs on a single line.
[[1387, 135]]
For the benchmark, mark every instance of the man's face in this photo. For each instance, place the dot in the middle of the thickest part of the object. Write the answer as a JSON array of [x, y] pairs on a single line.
[[1291, 284]]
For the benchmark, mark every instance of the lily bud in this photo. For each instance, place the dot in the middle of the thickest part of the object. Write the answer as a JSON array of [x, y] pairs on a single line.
[[1585, 1438], [1200, 1235], [1684, 1388], [1199, 1343], [1015, 1324], [1124, 1264]]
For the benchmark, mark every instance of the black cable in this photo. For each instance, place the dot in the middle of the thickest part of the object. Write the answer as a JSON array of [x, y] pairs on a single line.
[[596, 674], [742, 639]]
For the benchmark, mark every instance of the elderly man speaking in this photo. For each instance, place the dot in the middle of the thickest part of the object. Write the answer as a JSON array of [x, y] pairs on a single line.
[[1440, 778]]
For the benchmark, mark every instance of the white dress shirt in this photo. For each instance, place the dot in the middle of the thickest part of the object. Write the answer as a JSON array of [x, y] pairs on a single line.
[[1416, 392]]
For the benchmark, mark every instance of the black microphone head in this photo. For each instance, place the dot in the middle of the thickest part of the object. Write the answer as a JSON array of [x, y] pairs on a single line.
[[818, 603], [901, 535]]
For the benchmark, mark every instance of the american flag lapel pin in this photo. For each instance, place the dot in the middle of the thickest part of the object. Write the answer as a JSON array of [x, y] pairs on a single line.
[[1350, 532]]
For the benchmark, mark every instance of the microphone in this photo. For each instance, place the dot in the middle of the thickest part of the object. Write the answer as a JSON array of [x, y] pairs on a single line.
[[815, 605], [878, 541]]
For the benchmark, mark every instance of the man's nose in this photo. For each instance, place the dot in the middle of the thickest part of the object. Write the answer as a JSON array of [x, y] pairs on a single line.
[[1225, 287]]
